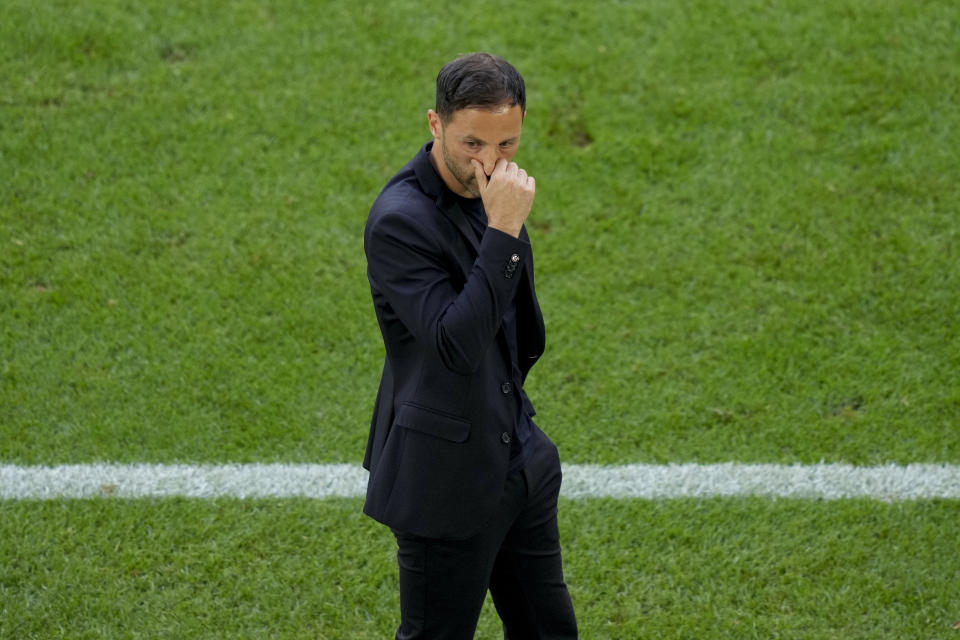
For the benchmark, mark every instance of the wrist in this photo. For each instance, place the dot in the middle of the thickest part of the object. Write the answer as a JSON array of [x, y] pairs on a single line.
[[509, 229]]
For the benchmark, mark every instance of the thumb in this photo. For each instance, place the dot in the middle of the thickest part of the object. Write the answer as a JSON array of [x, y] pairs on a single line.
[[481, 176]]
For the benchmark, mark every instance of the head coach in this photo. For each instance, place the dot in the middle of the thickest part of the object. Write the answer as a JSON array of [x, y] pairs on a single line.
[[458, 470]]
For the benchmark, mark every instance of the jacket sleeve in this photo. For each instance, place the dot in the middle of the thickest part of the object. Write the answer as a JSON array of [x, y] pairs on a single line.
[[410, 268]]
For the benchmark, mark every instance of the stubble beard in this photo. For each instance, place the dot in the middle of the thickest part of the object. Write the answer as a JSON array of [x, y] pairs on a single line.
[[467, 180]]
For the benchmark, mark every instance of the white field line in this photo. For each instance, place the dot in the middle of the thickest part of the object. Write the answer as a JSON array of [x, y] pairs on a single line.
[[821, 481]]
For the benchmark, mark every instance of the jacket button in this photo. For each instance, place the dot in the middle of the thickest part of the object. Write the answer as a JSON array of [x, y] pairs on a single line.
[[506, 388], [505, 438], [511, 267]]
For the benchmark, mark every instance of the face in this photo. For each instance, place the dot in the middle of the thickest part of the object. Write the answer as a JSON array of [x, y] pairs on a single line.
[[473, 134]]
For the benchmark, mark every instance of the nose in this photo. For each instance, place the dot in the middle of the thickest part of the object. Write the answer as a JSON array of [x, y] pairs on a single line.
[[488, 158]]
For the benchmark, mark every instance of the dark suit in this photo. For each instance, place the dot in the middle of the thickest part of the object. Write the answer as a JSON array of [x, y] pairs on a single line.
[[444, 416], [448, 413]]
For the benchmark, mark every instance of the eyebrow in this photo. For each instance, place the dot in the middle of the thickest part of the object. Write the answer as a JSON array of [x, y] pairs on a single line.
[[476, 139]]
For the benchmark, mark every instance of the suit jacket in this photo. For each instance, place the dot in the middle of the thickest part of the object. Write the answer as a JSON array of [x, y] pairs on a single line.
[[439, 442]]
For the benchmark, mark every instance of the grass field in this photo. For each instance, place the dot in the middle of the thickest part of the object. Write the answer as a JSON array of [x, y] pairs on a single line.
[[747, 247]]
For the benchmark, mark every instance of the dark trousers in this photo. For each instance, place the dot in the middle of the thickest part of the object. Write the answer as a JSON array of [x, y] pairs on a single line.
[[516, 555]]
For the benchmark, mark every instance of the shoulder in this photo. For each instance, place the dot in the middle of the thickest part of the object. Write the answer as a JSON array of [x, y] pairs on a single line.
[[401, 198], [404, 195], [414, 195], [402, 213]]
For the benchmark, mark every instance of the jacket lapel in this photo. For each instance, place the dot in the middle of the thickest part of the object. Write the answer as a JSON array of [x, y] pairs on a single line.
[[456, 215], [432, 185]]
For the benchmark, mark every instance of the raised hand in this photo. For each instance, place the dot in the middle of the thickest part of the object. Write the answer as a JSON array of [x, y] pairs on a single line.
[[507, 195]]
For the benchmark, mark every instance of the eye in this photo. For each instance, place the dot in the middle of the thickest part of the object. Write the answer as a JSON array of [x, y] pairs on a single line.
[[506, 145], [472, 144]]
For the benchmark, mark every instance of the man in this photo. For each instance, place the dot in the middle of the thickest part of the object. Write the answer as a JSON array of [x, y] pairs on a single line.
[[458, 470]]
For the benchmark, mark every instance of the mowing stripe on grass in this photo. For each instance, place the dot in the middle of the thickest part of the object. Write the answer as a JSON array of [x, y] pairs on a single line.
[[821, 481]]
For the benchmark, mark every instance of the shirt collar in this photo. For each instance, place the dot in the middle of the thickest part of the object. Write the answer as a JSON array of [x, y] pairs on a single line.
[[427, 175]]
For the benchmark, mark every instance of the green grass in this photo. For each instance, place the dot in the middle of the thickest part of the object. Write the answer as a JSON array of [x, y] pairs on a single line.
[[747, 248], [318, 569], [745, 226]]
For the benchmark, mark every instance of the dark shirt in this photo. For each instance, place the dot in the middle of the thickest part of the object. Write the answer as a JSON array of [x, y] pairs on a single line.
[[520, 444]]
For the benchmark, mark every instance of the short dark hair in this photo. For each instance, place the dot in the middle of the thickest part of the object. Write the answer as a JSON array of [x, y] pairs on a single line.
[[478, 80]]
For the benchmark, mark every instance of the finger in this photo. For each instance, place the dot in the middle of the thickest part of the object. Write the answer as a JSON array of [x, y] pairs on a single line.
[[480, 175], [499, 167]]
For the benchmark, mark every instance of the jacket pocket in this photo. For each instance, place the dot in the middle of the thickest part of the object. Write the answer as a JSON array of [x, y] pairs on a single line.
[[432, 422]]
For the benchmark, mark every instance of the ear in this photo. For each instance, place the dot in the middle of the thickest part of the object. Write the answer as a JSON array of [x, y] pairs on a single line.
[[433, 118]]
